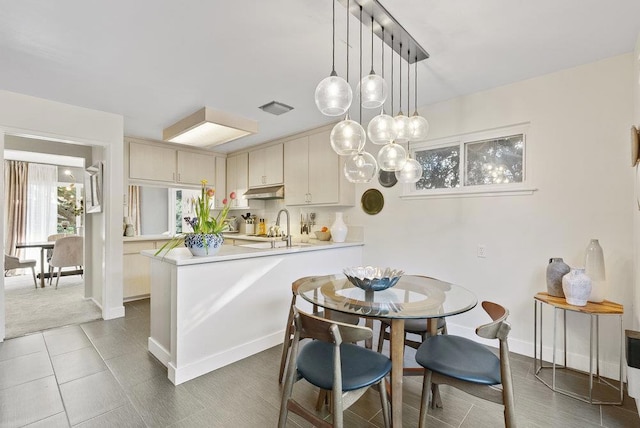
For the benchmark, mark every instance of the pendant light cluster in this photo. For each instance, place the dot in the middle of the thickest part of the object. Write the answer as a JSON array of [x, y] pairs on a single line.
[[334, 97]]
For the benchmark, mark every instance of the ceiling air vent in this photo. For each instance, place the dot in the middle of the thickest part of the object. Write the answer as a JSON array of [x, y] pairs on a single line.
[[275, 107]]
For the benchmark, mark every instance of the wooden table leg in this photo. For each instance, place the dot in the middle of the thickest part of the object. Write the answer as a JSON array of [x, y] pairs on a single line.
[[397, 365], [42, 250]]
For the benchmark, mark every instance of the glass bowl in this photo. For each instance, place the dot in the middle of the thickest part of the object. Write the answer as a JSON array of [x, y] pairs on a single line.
[[371, 278]]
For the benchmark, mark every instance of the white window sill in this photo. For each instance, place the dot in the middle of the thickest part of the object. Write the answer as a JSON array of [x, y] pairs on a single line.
[[468, 193]]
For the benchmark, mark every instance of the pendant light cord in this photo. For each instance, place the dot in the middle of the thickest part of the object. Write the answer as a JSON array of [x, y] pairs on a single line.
[[360, 72], [348, 6], [408, 84], [392, 81], [372, 72], [415, 92], [400, 102], [333, 39]]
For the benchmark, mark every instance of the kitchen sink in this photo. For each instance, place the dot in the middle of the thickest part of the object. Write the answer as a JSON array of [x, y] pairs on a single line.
[[267, 245]]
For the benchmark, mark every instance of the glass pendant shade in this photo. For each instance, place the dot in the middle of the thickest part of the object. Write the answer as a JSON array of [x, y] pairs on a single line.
[[348, 137], [382, 129], [419, 127], [374, 91], [333, 96], [360, 168], [402, 127], [392, 157], [411, 172]]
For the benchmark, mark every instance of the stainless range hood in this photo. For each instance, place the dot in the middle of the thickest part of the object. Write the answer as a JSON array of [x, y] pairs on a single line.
[[271, 192]]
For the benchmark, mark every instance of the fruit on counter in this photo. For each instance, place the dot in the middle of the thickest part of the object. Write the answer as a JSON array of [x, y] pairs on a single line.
[[324, 229]]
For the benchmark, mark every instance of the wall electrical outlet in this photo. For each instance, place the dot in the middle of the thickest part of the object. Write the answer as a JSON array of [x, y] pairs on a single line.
[[482, 251]]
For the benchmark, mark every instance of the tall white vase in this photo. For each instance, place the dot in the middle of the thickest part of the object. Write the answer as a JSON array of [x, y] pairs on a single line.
[[594, 268], [339, 229]]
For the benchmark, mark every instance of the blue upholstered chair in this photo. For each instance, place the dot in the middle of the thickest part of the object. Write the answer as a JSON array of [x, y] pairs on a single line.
[[332, 362], [470, 366]]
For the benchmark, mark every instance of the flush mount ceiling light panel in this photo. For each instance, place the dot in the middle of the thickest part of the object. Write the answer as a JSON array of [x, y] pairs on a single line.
[[209, 127], [275, 107]]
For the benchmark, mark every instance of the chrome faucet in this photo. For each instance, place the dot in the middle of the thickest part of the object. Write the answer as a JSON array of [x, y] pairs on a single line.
[[286, 237]]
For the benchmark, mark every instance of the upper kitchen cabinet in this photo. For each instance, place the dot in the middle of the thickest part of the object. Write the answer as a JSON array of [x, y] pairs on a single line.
[[313, 173], [221, 181], [265, 166], [238, 179], [165, 164]]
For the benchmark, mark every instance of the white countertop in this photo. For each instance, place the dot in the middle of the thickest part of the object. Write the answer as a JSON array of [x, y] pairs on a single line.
[[182, 257], [146, 238]]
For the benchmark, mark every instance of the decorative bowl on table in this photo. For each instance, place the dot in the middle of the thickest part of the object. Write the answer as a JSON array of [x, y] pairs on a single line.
[[322, 236], [371, 278]]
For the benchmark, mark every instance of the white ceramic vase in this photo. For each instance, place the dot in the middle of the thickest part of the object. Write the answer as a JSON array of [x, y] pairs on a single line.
[[576, 286], [339, 229], [594, 268]]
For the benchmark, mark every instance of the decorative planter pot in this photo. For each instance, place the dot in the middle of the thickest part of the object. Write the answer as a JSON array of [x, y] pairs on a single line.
[[594, 268], [203, 244], [577, 287], [339, 229], [556, 269]]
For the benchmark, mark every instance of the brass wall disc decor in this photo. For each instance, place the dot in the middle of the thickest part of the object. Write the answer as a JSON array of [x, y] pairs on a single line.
[[372, 201]]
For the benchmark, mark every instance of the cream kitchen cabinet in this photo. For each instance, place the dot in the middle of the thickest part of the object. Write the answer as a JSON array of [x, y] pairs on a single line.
[[221, 181], [313, 173], [238, 179], [136, 277], [265, 166], [152, 162]]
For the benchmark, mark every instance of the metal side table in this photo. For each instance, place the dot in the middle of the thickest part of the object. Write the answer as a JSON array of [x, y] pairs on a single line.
[[594, 310]]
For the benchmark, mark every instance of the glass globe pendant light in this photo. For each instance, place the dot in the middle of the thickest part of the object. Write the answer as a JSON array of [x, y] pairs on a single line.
[[372, 88], [348, 136], [333, 94], [392, 157], [360, 168], [381, 128], [411, 172], [401, 121], [418, 124]]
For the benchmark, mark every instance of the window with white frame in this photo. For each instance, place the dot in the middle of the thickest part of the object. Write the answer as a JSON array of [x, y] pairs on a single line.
[[483, 162]]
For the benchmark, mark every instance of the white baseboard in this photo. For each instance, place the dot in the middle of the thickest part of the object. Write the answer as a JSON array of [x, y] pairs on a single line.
[[111, 313], [159, 351]]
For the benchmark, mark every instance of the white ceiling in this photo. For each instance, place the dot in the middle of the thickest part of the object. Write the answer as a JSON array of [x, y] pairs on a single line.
[[155, 62]]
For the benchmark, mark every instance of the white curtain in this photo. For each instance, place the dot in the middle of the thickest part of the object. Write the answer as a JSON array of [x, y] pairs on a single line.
[[42, 205]]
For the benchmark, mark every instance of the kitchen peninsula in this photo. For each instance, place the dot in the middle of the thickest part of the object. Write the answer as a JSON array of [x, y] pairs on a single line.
[[207, 312]]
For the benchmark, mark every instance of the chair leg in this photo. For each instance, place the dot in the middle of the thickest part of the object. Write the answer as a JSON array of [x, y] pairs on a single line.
[[424, 401], [35, 281], [384, 400], [58, 277], [286, 343], [436, 400], [383, 328]]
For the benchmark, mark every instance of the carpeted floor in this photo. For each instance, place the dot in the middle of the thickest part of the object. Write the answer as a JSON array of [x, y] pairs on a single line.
[[29, 310]]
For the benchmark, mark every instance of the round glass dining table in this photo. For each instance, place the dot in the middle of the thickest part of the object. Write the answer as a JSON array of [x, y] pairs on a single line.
[[413, 296]]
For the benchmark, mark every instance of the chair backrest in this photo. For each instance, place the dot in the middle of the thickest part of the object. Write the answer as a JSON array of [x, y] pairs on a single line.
[[499, 328], [312, 327], [68, 251], [11, 262], [55, 237]]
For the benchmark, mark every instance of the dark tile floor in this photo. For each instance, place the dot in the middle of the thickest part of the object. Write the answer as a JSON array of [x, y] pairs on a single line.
[[99, 374]]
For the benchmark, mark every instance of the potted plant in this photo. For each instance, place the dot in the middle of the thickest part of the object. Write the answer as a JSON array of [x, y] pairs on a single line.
[[206, 238]]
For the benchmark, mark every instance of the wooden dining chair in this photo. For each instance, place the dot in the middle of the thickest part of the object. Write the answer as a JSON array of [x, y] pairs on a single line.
[[68, 252], [471, 366], [290, 328], [333, 363], [13, 262]]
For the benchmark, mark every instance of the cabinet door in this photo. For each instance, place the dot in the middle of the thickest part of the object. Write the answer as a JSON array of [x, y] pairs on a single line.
[[148, 162], [296, 171], [324, 170], [256, 168], [273, 164], [135, 269], [237, 179], [221, 181], [195, 167]]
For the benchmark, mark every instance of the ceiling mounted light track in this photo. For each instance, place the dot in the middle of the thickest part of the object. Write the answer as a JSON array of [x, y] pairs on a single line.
[[208, 127]]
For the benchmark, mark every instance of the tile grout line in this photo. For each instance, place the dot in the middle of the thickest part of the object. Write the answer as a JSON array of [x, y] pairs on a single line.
[[55, 376]]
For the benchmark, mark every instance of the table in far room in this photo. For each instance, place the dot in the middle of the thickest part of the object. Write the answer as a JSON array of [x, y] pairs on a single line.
[[44, 246]]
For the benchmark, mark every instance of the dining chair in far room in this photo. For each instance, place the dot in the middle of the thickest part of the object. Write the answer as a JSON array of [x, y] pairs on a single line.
[[52, 238], [67, 252], [290, 328], [332, 362], [471, 366], [13, 262]]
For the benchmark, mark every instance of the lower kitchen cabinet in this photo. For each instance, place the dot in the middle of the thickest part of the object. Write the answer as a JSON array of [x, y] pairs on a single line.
[[136, 279]]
